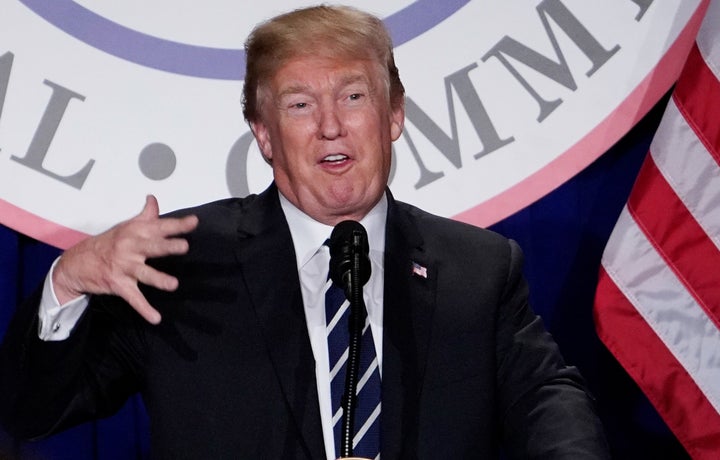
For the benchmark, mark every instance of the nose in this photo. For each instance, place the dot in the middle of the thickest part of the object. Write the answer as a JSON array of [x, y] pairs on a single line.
[[330, 124]]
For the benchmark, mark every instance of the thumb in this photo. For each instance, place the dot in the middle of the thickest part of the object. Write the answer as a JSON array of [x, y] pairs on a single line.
[[151, 209]]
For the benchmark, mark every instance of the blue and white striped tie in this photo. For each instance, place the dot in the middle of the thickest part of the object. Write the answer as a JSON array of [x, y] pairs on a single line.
[[366, 441]]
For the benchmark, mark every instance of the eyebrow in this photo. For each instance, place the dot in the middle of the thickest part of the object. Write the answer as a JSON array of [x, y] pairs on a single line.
[[346, 80], [293, 89], [354, 78]]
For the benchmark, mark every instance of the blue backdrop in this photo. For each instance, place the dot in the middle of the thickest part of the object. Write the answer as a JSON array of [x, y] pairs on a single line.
[[563, 236]]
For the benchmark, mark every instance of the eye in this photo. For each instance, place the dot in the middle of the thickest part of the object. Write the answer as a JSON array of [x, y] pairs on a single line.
[[355, 96], [299, 105]]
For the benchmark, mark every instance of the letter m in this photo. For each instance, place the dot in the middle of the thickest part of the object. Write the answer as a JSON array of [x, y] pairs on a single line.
[[449, 145], [557, 71]]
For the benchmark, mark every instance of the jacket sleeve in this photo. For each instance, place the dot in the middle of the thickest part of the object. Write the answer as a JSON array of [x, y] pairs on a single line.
[[545, 408], [48, 386]]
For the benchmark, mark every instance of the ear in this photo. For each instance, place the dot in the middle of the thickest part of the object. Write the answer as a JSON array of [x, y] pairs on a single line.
[[397, 121], [262, 137]]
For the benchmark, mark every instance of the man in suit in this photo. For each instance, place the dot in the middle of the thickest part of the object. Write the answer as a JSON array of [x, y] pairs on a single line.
[[216, 314]]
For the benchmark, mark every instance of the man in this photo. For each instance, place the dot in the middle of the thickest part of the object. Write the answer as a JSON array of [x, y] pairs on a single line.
[[226, 337]]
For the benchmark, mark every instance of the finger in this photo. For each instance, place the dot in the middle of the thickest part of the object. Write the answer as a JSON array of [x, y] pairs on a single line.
[[151, 209], [167, 226], [149, 232], [166, 247], [140, 304], [155, 278]]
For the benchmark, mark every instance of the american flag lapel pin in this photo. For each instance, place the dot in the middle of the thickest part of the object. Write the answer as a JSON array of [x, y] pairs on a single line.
[[419, 270]]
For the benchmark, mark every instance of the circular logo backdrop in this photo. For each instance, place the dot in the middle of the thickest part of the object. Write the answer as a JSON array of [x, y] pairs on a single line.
[[203, 61], [102, 103]]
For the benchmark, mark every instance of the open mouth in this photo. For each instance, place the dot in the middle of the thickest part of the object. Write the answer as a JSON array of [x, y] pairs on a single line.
[[335, 158]]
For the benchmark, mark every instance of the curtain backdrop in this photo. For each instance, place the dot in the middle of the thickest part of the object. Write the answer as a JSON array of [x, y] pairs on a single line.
[[562, 235]]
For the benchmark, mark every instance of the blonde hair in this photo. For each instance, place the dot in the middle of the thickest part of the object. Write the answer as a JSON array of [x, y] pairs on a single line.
[[337, 32]]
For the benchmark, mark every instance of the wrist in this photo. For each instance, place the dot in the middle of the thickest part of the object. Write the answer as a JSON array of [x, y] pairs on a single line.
[[60, 285]]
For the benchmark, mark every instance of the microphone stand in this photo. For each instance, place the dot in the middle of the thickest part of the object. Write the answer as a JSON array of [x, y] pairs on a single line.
[[356, 325]]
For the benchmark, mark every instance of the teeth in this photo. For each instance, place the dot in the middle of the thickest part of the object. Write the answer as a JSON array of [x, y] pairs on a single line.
[[337, 157]]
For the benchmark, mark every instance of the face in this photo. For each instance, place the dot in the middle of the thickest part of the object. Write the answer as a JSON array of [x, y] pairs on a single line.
[[327, 127]]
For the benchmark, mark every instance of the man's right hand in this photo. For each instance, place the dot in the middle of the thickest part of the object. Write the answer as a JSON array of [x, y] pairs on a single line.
[[114, 262]]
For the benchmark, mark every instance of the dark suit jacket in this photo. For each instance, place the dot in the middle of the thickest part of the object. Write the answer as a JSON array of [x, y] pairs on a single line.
[[229, 373]]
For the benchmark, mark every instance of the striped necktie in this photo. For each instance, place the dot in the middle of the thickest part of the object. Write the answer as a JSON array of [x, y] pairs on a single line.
[[366, 442]]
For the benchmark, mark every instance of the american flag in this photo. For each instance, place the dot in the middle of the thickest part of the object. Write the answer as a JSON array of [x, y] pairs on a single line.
[[657, 305], [419, 270]]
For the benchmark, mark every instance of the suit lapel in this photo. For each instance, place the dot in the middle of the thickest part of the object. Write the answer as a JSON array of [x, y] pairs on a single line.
[[267, 258], [409, 302]]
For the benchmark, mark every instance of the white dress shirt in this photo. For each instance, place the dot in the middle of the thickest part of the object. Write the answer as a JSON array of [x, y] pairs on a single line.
[[313, 259], [56, 321]]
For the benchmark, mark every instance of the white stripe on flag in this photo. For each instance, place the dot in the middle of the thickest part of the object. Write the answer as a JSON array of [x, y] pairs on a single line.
[[689, 169], [658, 298], [707, 38], [662, 300]]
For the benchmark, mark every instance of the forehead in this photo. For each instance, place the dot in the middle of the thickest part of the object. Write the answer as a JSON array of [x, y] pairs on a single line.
[[311, 73]]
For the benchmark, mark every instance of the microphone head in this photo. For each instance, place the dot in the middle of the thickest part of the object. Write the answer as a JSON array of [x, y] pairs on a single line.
[[347, 240]]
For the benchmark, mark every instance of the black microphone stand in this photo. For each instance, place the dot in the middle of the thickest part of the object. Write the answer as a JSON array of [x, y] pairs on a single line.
[[356, 325], [350, 268]]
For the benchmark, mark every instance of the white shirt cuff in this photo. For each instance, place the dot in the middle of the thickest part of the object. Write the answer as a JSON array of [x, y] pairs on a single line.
[[56, 321]]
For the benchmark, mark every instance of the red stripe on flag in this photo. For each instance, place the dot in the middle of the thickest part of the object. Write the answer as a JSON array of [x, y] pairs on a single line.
[[697, 94], [686, 249], [677, 237], [666, 383]]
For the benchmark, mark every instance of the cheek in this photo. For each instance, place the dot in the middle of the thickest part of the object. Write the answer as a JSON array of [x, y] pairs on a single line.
[[297, 136], [295, 155]]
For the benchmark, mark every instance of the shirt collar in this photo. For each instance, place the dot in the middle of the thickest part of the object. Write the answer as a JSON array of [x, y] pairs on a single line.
[[308, 234]]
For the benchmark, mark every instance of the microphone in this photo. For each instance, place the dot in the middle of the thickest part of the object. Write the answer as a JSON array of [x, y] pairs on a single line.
[[349, 250], [350, 268]]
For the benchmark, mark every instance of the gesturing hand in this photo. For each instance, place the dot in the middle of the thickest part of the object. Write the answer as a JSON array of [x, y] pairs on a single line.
[[114, 262]]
